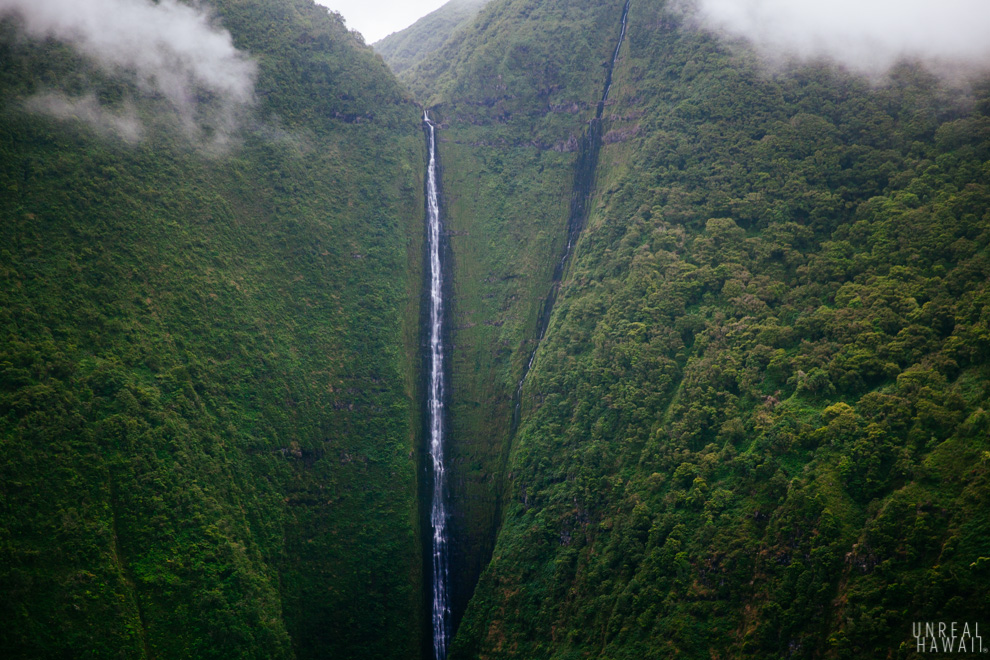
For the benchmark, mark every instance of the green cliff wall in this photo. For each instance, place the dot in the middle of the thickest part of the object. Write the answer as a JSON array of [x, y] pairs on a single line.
[[208, 412], [756, 427], [513, 92]]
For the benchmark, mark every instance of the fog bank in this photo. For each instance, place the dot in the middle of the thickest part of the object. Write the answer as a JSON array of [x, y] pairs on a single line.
[[866, 35]]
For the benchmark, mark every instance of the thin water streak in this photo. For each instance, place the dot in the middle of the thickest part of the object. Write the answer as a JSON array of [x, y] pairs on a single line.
[[577, 213], [615, 55]]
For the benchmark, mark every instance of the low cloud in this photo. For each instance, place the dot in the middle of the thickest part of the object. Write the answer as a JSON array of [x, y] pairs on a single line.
[[173, 50], [865, 35], [122, 123]]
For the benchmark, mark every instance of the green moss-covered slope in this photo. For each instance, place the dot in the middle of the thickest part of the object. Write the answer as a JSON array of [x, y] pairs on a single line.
[[757, 425], [207, 400], [513, 92]]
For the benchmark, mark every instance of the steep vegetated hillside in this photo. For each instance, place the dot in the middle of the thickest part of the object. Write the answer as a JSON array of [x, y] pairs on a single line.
[[513, 92], [207, 402], [757, 425], [407, 48]]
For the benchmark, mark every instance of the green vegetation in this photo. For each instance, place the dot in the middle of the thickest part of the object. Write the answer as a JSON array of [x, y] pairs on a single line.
[[756, 426], [207, 411], [407, 48], [513, 92]]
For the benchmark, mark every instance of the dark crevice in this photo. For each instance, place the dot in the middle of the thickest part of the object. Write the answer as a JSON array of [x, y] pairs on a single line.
[[589, 148]]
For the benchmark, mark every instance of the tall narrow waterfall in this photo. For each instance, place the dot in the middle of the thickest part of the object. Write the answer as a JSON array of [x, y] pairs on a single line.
[[438, 507]]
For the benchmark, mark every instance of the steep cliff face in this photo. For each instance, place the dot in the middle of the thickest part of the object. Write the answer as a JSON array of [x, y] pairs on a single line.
[[513, 92], [208, 398], [756, 426]]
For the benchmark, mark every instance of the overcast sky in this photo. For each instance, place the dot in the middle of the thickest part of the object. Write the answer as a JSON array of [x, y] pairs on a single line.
[[379, 18]]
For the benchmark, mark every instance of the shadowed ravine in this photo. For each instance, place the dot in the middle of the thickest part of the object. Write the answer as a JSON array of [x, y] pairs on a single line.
[[443, 618], [584, 178]]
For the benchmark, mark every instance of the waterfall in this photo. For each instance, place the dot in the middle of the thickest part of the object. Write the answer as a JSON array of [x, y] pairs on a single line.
[[615, 58], [583, 181], [438, 507]]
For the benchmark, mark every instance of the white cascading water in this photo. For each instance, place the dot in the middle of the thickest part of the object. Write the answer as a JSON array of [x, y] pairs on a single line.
[[438, 508]]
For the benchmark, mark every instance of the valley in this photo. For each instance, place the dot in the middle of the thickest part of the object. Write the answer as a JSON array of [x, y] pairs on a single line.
[[641, 343]]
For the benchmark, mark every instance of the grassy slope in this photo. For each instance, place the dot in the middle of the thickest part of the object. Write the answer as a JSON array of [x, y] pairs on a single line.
[[757, 426], [207, 404], [507, 143], [407, 48]]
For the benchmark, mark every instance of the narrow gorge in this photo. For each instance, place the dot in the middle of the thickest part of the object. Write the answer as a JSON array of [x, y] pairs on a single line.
[[445, 615], [436, 405], [543, 330]]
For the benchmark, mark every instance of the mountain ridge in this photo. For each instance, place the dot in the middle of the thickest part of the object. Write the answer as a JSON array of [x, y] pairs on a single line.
[[405, 48]]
